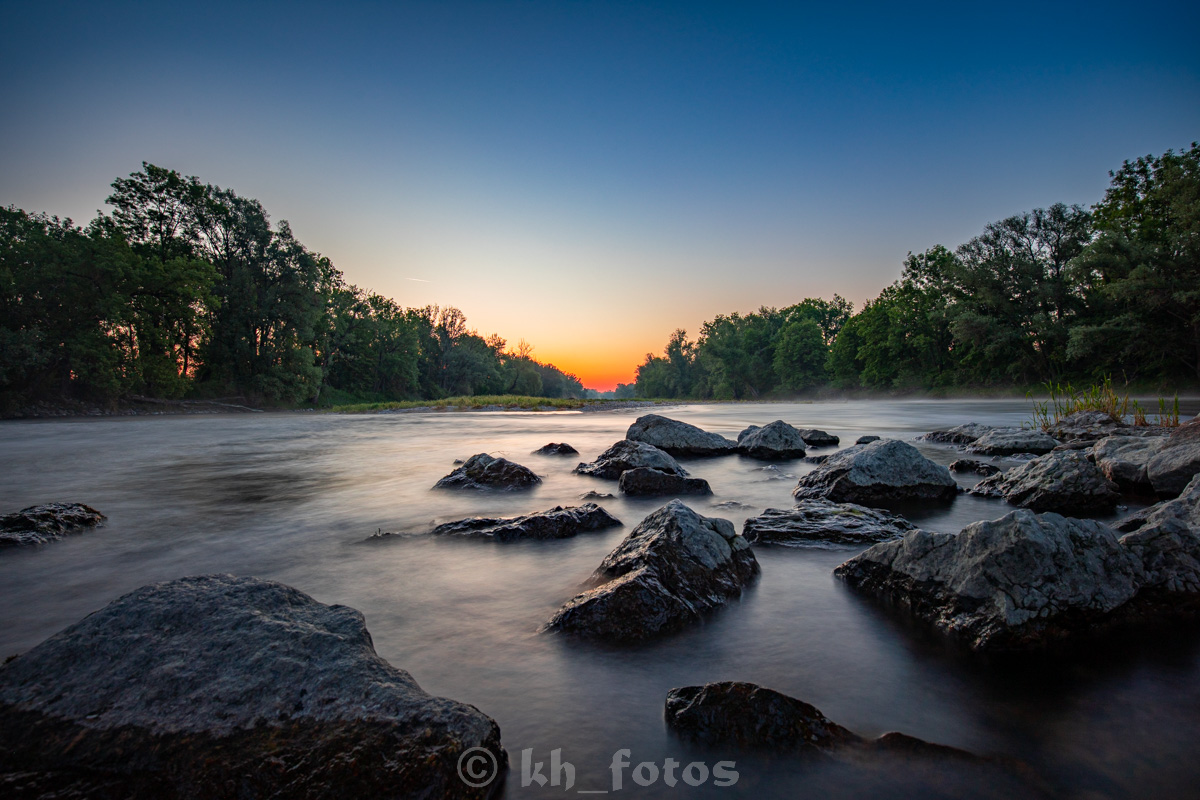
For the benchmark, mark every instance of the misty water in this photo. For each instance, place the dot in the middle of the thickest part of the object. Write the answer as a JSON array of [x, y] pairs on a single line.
[[293, 497]]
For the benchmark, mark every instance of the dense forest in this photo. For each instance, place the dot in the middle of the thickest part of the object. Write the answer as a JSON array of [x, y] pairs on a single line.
[[187, 290], [1057, 294]]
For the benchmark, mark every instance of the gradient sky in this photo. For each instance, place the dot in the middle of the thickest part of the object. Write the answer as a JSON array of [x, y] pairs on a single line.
[[590, 176]]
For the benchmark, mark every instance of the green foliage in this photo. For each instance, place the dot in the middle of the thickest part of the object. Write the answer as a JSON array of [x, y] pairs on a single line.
[[1063, 400], [800, 355]]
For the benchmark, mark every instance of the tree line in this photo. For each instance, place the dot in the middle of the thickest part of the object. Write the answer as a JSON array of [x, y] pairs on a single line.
[[187, 290], [1055, 294]]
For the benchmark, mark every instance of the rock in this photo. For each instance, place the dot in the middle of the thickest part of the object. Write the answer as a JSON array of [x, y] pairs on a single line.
[[777, 440], [1017, 582], [1166, 538], [1007, 441], [976, 467], [595, 496], [959, 434], [820, 521], [882, 472], [1174, 467], [671, 569], [817, 459], [1076, 444], [866, 439], [1063, 481], [678, 438], [555, 449], [46, 523], [650, 482], [482, 471], [557, 523], [748, 716], [818, 438], [1087, 425], [224, 687], [627, 454], [1123, 460]]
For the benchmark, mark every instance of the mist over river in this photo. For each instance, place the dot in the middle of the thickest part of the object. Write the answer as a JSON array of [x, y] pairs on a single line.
[[293, 497]]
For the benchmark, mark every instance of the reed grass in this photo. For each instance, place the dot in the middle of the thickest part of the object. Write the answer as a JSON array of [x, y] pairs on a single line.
[[1063, 400]]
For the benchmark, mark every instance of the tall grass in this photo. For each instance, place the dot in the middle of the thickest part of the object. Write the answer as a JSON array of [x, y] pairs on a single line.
[[1063, 400]]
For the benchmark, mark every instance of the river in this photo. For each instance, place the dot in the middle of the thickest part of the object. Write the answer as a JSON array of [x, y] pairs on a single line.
[[292, 497]]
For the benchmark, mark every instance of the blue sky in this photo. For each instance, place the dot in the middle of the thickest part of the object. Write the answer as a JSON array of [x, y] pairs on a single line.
[[590, 176]]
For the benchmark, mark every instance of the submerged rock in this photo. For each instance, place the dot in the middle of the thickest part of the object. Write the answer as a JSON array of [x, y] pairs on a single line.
[[224, 687], [818, 438], [45, 523], [973, 466], [650, 482], [820, 521], [673, 567], [882, 472], [557, 523], [1063, 481], [776, 440], [1017, 582], [595, 496], [555, 449], [959, 434], [678, 438], [1166, 538], [482, 471], [625, 455], [1124, 460], [1010, 441]]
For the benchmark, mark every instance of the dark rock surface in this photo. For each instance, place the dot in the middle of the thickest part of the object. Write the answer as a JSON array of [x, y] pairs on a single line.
[[555, 449], [557, 523], [1064, 482], [1017, 582], [975, 467], [821, 459], [1176, 464], [882, 472], [776, 440], [1087, 425], [820, 522], [1009, 441], [671, 569], [818, 438], [959, 434], [482, 471], [867, 439], [45, 523], [224, 687], [1124, 459], [627, 454], [1166, 538], [678, 438], [647, 482], [596, 496]]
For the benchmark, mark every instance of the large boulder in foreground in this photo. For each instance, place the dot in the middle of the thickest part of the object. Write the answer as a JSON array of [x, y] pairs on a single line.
[[45, 523], [1017, 582], [224, 687], [557, 523], [1010, 441], [1166, 538], [773, 441], [678, 438], [750, 717], [482, 471], [882, 472], [1063, 481], [1124, 459], [673, 567], [626, 455], [645, 482], [820, 522]]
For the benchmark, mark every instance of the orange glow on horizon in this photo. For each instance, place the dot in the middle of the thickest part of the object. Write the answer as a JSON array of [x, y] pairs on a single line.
[[601, 372]]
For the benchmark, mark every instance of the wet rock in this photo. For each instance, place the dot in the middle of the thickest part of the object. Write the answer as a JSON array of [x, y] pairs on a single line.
[[224, 687], [976, 467], [555, 449], [46, 523], [1065, 482], [731, 505], [752, 717], [645, 482], [1087, 425], [1166, 538], [673, 568], [678, 438], [627, 454], [1124, 459], [882, 472], [595, 496], [822, 522], [776, 440], [818, 438], [1008, 441], [482, 471], [817, 459], [1174, 467], [1083, 445], [959, 434], [866, 439], [557, 523], [1017, 582]]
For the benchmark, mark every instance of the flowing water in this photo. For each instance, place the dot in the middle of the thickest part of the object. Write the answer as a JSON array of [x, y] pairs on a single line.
[[292, 497]]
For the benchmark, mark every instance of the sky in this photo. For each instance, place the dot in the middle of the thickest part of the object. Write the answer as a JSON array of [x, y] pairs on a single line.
[[590, 176]]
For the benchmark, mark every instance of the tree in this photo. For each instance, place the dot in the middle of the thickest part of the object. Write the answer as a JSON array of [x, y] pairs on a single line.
[[800, 355]]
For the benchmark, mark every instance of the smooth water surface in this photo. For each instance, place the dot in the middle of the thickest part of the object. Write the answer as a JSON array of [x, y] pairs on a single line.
[[292, 497]]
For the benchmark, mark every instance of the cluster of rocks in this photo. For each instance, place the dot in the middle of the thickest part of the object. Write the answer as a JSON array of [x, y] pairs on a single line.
[[46, 523]]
